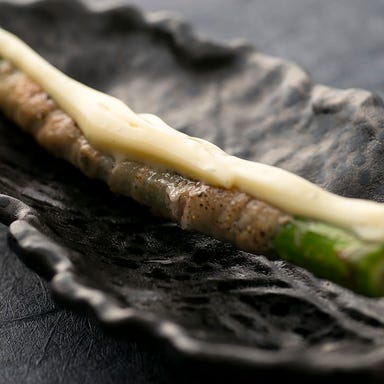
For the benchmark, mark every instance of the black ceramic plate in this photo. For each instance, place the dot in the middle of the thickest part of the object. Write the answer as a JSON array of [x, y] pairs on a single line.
[[204, 303]]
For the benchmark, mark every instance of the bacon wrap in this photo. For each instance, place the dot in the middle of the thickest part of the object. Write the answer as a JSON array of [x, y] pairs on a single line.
[[228, 215]]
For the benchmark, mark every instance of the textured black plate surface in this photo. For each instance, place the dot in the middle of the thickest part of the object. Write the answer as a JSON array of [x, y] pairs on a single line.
[[202, 301]]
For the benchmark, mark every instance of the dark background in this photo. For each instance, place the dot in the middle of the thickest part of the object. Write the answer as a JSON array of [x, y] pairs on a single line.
[[339, 42]]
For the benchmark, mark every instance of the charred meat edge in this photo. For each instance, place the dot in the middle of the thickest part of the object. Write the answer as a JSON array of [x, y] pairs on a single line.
[[228, 215]]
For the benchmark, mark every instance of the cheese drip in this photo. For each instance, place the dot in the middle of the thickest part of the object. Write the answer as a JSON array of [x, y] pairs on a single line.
[[112, 127]]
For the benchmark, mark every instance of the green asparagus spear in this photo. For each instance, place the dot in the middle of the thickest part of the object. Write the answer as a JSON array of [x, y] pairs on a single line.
[[334, 254]]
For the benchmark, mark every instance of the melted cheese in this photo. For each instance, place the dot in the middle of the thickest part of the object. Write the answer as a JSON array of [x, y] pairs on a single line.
[[112, 127]]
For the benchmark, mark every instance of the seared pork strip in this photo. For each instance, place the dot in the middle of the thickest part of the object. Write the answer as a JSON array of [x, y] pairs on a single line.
[[229, 215]]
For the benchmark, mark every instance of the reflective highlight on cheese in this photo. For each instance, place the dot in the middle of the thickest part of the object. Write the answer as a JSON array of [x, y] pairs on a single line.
[[112, 127]]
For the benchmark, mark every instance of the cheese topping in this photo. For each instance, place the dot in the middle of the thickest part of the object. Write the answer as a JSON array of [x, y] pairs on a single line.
[[112, 127]]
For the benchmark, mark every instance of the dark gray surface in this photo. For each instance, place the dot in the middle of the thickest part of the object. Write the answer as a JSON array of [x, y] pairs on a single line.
[[338, 41], [35, 347], [43, 343]]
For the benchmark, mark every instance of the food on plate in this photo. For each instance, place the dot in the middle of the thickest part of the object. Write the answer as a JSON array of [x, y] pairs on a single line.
[[257, 207]]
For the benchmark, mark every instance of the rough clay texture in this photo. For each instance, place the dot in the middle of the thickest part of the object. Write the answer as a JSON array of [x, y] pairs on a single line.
[[254, 106]]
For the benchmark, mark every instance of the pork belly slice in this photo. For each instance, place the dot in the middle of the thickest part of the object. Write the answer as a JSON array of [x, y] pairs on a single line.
[[228, 215]]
